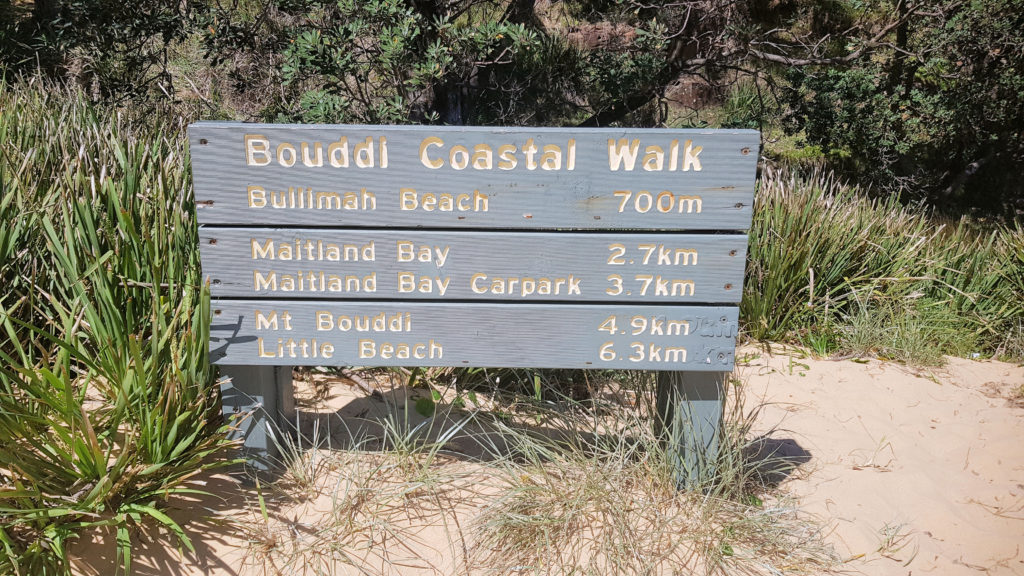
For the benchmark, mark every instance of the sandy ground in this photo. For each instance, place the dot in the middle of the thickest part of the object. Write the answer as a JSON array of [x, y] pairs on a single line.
[[912, 471], [916, 471]]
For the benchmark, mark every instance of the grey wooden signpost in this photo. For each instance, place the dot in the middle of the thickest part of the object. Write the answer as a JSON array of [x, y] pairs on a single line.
[[470, 246]]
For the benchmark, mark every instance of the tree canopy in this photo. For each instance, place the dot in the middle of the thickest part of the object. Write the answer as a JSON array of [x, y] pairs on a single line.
[[920, 99]]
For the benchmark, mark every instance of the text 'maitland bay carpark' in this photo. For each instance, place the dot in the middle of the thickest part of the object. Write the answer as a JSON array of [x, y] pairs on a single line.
[[455, 246]]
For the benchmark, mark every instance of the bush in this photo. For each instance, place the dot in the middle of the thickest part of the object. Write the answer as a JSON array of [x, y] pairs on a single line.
[[936, 117], [115, 50], [107, 403], [822, 256]]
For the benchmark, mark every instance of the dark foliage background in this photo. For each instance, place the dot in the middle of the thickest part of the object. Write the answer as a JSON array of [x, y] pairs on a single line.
[[922, 100]]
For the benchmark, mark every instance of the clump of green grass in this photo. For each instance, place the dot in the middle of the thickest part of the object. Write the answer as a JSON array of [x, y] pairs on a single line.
[[829, 265], [919, 335], [107, 403], [1012, 345]]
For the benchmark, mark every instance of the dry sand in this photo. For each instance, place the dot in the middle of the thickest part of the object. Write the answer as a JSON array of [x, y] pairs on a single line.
[[912, 471], [917, 471]]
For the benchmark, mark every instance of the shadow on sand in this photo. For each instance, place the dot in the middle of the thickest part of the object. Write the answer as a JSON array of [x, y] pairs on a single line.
[[382, 421]]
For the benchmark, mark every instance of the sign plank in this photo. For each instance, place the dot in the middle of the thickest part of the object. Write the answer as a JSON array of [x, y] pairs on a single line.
[[473, 177], [503, 266], [361, 333]]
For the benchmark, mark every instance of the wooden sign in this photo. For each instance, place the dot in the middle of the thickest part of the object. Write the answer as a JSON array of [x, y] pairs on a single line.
[[472, 177], [491, 247], [464, 334], [505, 266]]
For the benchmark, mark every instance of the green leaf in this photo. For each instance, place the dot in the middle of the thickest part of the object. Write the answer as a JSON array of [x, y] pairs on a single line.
[[425, 406], [166, 521], [124, 547]]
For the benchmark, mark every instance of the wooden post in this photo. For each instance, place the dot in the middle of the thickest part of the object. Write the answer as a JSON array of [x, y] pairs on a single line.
[[690, 419], [265, 392]]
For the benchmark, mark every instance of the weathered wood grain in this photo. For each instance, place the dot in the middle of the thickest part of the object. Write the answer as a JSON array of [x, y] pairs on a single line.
[[591, 195], [502, 266], [362, 333]]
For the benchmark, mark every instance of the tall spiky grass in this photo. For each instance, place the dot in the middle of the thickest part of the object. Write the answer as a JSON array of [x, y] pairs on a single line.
[[821, 253], [106, 398]]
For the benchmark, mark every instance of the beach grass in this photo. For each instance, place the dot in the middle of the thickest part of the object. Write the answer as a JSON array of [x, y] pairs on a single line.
[[551, 487], [107, 403], [842, 273]]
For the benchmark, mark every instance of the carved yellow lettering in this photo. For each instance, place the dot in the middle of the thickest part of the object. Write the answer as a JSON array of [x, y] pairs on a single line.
[[337, 153], [286, 154], [529, 149], [429, 202], [405, 251], [551, 159], [262, 352], [261, 282], [406, 282], [621, 153], [483, 157], [507, 157], [473, 283], [479, 201], [264, 322], [257, 197], [425, 159], [458, 156], [446, 203], [690, 159], [317, 159], [257, 145], [363, 153], [367, 348], [324, 320], [654, 158], [409, 199], [265, 251]]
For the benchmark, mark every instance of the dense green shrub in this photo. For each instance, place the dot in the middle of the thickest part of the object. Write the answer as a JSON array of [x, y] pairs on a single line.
[[938, 115], [107, 404], [387, 61], [116, 50]]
